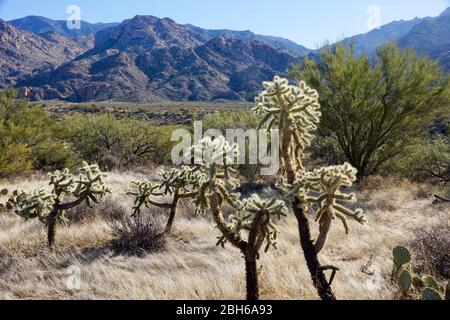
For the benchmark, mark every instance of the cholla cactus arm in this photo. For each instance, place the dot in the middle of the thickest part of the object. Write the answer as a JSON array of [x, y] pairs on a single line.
[[37, 204], [179, 183], [262, 228], [328, 182], [295, 111], [89, 187], [142, 192]]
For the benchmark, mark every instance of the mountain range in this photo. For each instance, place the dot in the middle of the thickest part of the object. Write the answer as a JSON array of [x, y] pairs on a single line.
[[150, 59]]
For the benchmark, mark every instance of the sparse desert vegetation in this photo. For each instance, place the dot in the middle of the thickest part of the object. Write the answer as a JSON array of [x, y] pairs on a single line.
[[152, 233], [191, 266]]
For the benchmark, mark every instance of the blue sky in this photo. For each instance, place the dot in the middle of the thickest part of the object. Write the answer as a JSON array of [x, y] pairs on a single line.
[[307, 22]]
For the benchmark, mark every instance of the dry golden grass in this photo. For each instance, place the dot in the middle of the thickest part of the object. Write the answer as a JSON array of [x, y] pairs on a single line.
[[192, 267]]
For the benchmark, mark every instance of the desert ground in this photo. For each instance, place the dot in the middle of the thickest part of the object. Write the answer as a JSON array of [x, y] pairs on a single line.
[[191, 266]]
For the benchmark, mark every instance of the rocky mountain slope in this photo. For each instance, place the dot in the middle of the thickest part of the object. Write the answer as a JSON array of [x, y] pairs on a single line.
[[24, 54], [147, 58], [369, 42], [282, 44], [431, 37], [42, 25]]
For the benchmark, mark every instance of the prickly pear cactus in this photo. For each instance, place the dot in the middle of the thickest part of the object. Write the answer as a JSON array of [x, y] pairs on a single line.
[[413, 286]]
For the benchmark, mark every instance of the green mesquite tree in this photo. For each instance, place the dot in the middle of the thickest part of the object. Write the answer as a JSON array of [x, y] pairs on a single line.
[[67, 193], [372, 110]]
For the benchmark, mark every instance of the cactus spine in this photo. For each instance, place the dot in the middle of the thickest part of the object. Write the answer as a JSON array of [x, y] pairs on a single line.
[[49, 207]]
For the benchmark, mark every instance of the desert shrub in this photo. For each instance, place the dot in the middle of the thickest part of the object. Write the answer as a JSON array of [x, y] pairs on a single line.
[[29, 138], [136, 236], [427, 159], [117, 143], [107, 209], [54, 156], [325, 150], [223, 120], [431, 249], [372, 109]]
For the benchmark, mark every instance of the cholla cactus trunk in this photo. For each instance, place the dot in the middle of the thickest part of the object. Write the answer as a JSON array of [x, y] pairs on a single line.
[[173, 212], [308, 246], [249, 252], [51, 229], [251, 275]]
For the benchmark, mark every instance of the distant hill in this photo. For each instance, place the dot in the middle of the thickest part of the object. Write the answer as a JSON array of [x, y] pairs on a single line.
[[24, 54], [154, 58], [369, 42], [42, 25], [150, 59], [431, 37], [282, 44]]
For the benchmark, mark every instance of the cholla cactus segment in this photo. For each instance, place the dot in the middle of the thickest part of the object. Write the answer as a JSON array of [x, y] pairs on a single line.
[[285, 106], [322, 188], [37, 204], [215, 152], [185, 179], [3, 207], [218, 174], [62, 182], [259, 211], [328, 182], [90, 184], [142, 192]]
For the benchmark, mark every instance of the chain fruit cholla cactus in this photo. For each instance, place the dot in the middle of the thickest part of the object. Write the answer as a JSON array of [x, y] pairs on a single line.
[[67, 192], [412, 285], [322, 188], [253, 216], [179, 183], [295, 112]]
